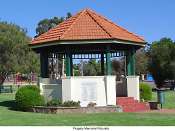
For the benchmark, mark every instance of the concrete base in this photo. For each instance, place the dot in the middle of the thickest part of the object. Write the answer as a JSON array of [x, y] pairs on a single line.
[[51, 89], [58, 110], [133, 87], [97, 89], [88, 89]]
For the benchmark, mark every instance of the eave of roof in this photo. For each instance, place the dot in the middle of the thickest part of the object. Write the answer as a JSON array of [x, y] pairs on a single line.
[[81, 42]]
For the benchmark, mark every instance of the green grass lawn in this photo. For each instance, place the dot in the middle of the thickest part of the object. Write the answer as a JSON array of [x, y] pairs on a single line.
[[11, 117], [169, 99]]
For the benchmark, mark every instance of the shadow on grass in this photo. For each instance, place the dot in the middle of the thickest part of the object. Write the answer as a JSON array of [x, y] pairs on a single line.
[[11, 104]]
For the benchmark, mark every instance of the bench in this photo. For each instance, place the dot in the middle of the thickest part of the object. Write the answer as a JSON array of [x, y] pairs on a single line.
[[6, 89]]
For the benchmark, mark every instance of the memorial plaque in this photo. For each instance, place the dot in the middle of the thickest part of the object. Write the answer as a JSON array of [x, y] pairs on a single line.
[[89, 91]]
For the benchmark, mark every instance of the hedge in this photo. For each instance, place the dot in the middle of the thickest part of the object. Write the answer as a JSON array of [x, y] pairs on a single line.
[[28, 96], [145, 92]]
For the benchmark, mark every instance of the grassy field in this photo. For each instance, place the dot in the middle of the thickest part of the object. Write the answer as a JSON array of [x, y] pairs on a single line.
[[169, 99], [11, 117]]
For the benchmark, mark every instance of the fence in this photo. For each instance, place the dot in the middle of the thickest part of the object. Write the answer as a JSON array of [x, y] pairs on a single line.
[[20, 79]]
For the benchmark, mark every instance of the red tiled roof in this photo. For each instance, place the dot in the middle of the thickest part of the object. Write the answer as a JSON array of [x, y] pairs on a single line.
[[87, 25]]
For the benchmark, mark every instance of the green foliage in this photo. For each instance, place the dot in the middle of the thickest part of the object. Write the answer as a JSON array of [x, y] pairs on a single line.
[[141, 62], [118, 67], [27, 97], [162, 61], [32, 87], [47, 24], [15, 54], [145, 92], [76, 72], [54, 102], [68, 15], [91, 68], [71, 104]]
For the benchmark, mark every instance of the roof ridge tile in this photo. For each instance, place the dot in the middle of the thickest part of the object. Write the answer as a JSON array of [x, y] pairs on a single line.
[[116, 25], [110, 35]]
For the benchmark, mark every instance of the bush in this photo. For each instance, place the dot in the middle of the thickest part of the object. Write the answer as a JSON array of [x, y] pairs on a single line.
[[54, 102], [71, 104], [28, 96], [32, 87], [145, 92]]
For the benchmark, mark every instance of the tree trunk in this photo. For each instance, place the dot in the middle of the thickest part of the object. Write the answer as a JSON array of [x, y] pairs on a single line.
[[2, 79]]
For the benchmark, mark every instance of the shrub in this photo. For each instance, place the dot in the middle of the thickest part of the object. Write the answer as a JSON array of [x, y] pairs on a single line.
[[32, 87], [71, 104], [27, 97], [54, 102], [145, 92]]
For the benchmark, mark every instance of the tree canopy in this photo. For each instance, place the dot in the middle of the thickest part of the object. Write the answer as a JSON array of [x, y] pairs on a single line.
[[161, 61], [141, 62], [46, 24], [92, 68], [15, 54]]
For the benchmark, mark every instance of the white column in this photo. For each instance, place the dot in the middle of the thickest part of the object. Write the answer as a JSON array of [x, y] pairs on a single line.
[[43, 81], [110, 82], [133, 87], [66, 89], [41, 88]]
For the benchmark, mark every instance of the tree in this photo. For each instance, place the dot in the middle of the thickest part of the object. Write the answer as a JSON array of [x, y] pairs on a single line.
[[118, 66], [47, 24], [91, 68], [68, 15], [141, 62], [161, 63], [15, 54]]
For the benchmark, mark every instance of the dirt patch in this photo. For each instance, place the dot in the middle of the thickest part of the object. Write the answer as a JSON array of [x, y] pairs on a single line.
[[56, 110], [161, 111]]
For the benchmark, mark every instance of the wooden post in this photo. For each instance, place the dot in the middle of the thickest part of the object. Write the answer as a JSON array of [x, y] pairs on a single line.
[[133, 62], [108, 62], [130, 58], [62, 70], [102, 63], [68, 64], [44, 64], [71, 65]]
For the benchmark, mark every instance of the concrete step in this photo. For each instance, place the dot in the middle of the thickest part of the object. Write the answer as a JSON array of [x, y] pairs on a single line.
[[124, 100], [130, 105]]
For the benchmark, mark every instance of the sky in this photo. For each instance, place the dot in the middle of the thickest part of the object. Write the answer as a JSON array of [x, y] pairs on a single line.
[[152, 19]]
